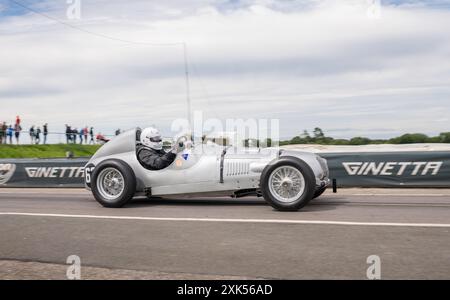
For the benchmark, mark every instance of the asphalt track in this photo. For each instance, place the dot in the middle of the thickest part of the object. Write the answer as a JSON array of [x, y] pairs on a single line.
[[225, 238]]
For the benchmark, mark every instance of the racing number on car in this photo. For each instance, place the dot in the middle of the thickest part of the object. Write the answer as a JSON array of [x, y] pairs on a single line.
[[88, 174]]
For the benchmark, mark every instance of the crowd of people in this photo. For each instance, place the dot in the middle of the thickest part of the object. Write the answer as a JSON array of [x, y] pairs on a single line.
[[38, 135], [74, 136], [7, 132], [35, 134], [73, 133]]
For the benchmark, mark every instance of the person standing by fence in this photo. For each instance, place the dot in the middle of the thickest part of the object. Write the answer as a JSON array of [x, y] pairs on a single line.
[[91, 133], [9, 134], [74, 135], [17, 130], [81, 136], [37, 139], [32, 134], [2, 132], [85, 133], [45, 129], [68, 134]]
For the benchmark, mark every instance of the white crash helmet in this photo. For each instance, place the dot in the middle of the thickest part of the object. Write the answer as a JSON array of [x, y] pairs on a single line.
[[150, 137]]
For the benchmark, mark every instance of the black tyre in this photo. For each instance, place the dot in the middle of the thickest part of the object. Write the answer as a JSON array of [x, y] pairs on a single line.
[[288, 184], [319, 192], [113, 183]]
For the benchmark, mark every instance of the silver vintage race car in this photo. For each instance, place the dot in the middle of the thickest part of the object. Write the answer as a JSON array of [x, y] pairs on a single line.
[[287, 180]]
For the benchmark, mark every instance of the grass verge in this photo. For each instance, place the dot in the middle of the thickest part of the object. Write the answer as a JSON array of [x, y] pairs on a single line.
[[46, 151]]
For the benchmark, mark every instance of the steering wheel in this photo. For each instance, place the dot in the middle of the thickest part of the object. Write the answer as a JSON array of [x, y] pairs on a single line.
[[181, 143]]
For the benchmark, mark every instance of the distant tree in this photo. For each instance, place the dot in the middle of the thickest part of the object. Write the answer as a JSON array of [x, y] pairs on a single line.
[[296, 140], [341, 142], [360, 141], [378, 141], [320, 138], [444, 137], [434, 139], [410, 138], [318, 133], [326, 140], [305, 134], [306, 137]]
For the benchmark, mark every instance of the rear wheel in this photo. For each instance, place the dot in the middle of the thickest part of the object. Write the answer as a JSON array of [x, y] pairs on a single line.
[[113, 183], [288, 184]]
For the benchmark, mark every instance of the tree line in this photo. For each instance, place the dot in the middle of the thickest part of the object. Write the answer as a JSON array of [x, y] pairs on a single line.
[[318, 137]]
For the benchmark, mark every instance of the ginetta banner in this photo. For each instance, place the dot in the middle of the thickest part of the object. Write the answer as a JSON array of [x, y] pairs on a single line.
[[390, 169], [42, 172], [368, 169], [6, 172]]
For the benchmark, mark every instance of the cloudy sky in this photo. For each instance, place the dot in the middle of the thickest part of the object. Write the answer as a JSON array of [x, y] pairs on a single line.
[[345, 66]]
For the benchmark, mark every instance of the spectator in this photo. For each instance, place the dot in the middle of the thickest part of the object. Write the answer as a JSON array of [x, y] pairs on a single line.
[[101, 139], [81, 136], [5, 130], [117, 132], [45, 127], [68, 134], [91, 133], [32, 134], [2, 132], [9, 133], [17, 120], [17, 130], [85, 133], [74, 135], [38, 136]]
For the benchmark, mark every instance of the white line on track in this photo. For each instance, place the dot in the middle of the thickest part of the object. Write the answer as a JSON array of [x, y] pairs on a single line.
[[269, 221], [85, 193], [396, 195], [359, 203]]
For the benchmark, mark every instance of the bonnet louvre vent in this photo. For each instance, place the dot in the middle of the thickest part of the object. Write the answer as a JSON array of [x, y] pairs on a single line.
[[236, 168]]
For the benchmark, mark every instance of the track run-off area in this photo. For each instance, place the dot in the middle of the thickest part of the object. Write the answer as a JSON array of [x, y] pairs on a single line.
[[225, 238]]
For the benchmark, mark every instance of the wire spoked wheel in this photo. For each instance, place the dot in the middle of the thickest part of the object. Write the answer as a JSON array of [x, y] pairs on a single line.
[[110, 183], [113, 183], [286, 184]]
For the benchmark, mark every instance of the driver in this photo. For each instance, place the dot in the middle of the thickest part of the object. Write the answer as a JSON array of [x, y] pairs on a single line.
[[151, 153]]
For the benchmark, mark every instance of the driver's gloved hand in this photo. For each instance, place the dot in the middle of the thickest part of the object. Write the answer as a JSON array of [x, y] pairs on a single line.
[[178, 147]]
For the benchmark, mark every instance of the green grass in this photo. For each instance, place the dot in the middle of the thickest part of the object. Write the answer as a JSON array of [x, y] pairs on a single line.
[[46, 151]]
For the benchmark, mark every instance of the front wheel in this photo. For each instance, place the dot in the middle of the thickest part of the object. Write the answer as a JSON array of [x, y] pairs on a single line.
[[113, 183], [288, 184]]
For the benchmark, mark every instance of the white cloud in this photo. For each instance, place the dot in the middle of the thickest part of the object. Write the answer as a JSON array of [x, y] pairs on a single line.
[[320, 63]]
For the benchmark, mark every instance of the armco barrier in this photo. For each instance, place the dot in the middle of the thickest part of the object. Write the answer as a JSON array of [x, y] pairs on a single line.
[[361, 169]]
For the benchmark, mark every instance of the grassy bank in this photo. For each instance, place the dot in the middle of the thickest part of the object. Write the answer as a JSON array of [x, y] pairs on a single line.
[[45, 151]]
